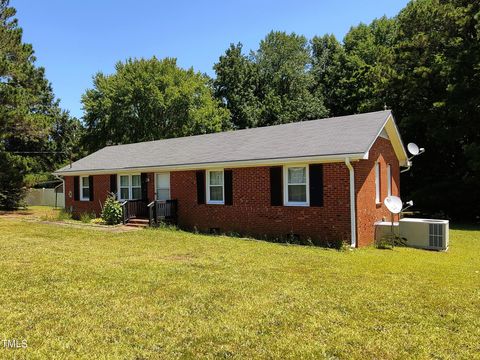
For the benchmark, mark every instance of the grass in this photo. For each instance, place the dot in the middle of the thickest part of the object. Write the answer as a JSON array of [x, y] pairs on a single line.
[[35, 212], [79, 293]]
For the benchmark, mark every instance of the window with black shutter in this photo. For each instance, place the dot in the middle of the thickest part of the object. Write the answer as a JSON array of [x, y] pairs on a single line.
[[228, 180], [76, 188], [144, 182], [200, 175], [276, 191], [316, 184], [90, 186], [113, 184]]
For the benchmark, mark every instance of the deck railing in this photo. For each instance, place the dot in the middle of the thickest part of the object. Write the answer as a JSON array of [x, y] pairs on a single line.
[[162, 211], [134, 209]]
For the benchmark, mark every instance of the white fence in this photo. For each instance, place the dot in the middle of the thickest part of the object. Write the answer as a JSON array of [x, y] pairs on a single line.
[[45, 197]]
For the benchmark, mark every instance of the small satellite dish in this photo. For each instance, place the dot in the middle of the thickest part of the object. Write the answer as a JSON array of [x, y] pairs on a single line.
[[394, 204], [413, 149]]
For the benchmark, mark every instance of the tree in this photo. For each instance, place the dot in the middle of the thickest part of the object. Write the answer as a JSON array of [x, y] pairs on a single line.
[[286, 81], [236, 85], [437, 102], [328, 70], [149, 100], [28, 112], [355, 76], [369, 65], [272, 85], [425, 65]]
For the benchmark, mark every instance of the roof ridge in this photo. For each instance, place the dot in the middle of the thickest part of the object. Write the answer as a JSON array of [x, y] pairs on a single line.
[[293, 123]]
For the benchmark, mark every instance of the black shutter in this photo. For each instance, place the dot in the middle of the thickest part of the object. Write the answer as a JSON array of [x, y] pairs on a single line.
[[201, 186], [316, 184], [276, 193], [143, 179], [76, 188], [228, 183], [113, 184], [90, 186]]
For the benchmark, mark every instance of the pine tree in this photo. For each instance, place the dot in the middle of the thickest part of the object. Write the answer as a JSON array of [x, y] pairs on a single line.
[[28, 113]]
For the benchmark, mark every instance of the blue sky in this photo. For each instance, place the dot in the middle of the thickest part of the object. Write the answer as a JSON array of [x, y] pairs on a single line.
[[75, 39]]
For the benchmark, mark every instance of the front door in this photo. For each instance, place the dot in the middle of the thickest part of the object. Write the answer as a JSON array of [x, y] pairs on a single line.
[[162, 181]]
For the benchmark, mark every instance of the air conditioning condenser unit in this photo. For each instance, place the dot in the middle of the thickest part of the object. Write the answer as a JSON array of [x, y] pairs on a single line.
[[425, 233]]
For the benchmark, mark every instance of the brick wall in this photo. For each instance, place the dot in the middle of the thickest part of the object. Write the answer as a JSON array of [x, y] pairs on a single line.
[[368, 212], [252, 214], [101, 189]]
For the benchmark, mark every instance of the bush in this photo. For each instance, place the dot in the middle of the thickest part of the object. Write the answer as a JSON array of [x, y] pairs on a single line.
[[12, 181], [112, 211], [389, 241], [86, 217], [64, 215]]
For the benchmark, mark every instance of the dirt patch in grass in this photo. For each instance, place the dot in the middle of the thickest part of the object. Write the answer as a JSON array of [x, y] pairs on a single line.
[[47, 215], [16, 213], [79, 225]]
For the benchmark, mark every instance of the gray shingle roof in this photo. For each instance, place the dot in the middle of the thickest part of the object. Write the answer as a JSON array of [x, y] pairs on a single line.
[[353, 134]]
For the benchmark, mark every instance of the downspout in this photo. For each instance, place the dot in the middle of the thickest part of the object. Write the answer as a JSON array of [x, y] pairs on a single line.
[[353, 216]]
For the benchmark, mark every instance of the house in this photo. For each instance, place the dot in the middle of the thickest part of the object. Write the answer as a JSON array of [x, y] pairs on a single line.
[[321, 179]]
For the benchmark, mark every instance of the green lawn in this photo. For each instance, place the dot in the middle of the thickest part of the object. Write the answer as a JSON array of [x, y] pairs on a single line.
[[82, 293]]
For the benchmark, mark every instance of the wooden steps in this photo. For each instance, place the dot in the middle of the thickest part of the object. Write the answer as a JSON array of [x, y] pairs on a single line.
[[138, 222]]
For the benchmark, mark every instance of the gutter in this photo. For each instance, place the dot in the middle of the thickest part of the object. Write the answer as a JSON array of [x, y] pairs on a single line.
[[353, 216], [213, 165]]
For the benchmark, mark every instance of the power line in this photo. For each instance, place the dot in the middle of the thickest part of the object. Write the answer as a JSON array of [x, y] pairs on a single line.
[[37, 152], [43, 152]]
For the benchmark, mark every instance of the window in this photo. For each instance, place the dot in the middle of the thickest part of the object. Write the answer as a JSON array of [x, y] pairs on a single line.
[[84, 188], [163, 186], [124, 187], [389, 180], [136, 187], [215, 188], [130, 187], [296, 185], [377, 183]]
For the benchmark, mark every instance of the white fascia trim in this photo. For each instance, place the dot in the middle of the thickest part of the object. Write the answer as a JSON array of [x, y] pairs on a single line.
[[397, 135], [353, 215], [225, 165]]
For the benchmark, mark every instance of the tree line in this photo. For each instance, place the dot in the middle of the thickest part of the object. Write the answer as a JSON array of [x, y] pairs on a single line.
[[424, 64]]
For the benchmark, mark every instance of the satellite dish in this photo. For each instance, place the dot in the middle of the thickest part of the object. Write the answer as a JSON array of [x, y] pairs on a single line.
[[394, 204], [413, 149]]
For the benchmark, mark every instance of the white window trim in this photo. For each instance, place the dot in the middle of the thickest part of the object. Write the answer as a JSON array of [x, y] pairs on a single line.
[[169, 184], [389, 180], [377, 183], [130, 186], [83, 198], [285, 186], [207, 183]]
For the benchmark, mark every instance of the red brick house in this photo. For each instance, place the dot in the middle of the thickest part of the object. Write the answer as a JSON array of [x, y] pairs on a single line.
[[322, 179]]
